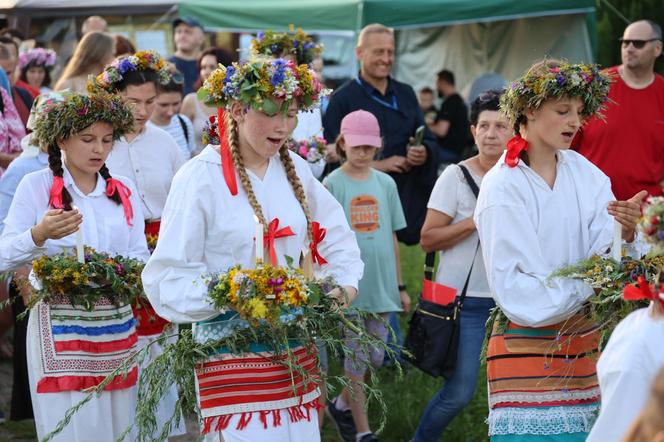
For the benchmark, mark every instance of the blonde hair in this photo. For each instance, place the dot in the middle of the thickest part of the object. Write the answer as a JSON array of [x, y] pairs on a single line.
[[374, 28], [92, 52], [649, 423], [286, 161]]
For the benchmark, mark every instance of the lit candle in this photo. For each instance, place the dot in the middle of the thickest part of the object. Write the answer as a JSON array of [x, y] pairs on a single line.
[[259, 240], [616, 249], [79, 246]]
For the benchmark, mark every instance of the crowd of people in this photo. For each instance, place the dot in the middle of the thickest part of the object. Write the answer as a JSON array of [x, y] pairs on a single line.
[[123, 150]]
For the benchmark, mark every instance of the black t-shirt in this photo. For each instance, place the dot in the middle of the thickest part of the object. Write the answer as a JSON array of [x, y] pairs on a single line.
[[455, 111], [189, 69]]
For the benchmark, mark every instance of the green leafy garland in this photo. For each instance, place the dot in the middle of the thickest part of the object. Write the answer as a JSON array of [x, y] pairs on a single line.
[[115, 278]]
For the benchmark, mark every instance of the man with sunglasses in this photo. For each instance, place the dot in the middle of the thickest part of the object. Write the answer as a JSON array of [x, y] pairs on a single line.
[[628, 145]]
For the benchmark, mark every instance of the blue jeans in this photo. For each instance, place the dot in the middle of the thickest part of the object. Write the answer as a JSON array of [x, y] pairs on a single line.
[[458, 390]]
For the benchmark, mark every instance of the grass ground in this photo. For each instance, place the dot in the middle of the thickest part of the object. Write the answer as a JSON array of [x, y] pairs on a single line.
[[406, 398]]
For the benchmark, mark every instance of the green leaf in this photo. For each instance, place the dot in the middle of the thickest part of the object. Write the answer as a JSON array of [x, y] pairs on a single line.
[[269, 107]]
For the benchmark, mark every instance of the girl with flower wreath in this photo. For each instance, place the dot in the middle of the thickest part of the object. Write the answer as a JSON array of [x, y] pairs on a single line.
[[541, 207], [209, 226], [150, 157], [71, 349], [35, 70]]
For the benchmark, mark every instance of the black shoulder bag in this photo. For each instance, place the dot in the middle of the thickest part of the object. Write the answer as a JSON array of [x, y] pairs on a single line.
[[433, 332]]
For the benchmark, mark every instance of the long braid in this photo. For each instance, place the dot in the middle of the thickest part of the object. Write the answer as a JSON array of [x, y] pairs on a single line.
[[296, 184], [55, 164], [106, 175], [234, 144]]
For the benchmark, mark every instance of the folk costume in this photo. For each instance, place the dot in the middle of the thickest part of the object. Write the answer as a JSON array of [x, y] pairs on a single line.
[[150, 160], [208, 226], [69, 348], [541, 362]]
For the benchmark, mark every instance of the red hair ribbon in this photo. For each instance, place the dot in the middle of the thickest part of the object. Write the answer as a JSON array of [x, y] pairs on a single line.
[[274, 232], [55, 200], [112, 186], [227, 167], [641, 290], [515, 146], [318, 235]]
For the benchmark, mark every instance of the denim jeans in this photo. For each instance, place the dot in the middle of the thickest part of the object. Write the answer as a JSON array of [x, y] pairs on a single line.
[[458, 390]]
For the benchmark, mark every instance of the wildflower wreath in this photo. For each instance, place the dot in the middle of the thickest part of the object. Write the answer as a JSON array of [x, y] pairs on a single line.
[[279, 44], [312, 149], [65, 113], [114, 73], [652, 224], [37, 57], [268, 85], [115, 278], [280, 307], [574, 80]]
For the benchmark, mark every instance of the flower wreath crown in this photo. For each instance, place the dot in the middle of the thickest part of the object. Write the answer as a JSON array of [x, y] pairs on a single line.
[[574, 80], [279, 44], [261, 83], [65, 113], [37, 57], [118, 69]]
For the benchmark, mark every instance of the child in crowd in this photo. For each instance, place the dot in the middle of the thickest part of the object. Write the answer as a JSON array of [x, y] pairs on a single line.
[[70, 349], [150, 157], [542, 207], [373, 209], [167, 114], [630, 363]]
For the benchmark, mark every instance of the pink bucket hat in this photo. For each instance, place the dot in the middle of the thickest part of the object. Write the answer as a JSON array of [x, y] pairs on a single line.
[[360, 128]]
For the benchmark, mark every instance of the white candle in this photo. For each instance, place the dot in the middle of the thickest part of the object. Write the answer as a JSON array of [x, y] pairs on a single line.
[[616, 249], [259, 239], [307, 265], [79, 246]]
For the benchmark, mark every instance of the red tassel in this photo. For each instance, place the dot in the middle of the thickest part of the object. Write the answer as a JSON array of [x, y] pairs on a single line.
[[207, 425], [276, 418], [223, 422], [244, 421], [263, 417]]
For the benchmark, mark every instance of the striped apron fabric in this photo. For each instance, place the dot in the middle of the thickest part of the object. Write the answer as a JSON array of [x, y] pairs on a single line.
[[253, 383], [79, 348], [543, 379], [148, 322]]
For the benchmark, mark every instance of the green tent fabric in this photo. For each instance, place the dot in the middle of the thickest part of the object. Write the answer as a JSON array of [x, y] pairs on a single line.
[[351, 15]]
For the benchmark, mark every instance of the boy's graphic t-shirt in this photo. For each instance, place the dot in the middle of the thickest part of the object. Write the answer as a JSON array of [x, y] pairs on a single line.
[[374, 212]]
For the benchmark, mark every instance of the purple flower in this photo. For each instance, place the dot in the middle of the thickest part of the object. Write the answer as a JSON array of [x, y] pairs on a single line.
[[230, 71], [82, 111], [309, 45], [274, 48], [296, 43], [125, 65], [560, 78], [660, 235], [260, 36]]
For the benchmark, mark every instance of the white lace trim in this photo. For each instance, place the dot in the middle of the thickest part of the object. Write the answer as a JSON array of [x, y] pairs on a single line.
[[542, 421], [541, 397]]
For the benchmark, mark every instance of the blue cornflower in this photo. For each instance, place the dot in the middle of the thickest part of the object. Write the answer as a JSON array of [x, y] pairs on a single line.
[[125, 66], [560, 78], [296, 43], [260, 36], [230, 71]]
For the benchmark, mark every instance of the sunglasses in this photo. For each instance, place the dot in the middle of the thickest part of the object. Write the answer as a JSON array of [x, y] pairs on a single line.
[[638, 44], [488, 96]]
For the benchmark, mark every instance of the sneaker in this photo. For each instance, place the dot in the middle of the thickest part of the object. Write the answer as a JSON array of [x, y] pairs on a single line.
[[343, 420], [369, 438]]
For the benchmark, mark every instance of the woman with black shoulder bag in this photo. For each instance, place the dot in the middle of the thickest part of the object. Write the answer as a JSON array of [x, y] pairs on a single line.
[[449, 228]]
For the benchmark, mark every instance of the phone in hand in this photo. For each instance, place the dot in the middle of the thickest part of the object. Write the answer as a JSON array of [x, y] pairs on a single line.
[[419, 135]]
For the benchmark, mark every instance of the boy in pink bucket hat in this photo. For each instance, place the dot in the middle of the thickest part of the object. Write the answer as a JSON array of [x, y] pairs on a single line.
[[373, 209]]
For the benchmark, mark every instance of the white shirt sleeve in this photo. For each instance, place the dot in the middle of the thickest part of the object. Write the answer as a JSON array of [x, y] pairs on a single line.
[[17, 247], [339, 248], [138, 246], [444, 196], [172, 277], [517, 270]]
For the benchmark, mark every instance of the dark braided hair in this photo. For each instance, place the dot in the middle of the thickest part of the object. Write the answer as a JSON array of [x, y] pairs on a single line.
[[55, 164]]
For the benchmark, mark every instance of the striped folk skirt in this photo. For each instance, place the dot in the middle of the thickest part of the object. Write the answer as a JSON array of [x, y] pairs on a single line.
[[543, 381]]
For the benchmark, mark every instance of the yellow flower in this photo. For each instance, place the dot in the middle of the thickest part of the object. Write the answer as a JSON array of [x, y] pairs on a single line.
[[257, 308]]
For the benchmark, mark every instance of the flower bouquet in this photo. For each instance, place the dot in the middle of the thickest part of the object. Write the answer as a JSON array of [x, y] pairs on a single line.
[[116, 278], [279, 306], [312, 150], [652, 223]]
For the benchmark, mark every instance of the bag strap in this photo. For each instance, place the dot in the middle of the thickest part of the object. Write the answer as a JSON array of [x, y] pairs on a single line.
[[470, 180], [184, 128], [476, 191]]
